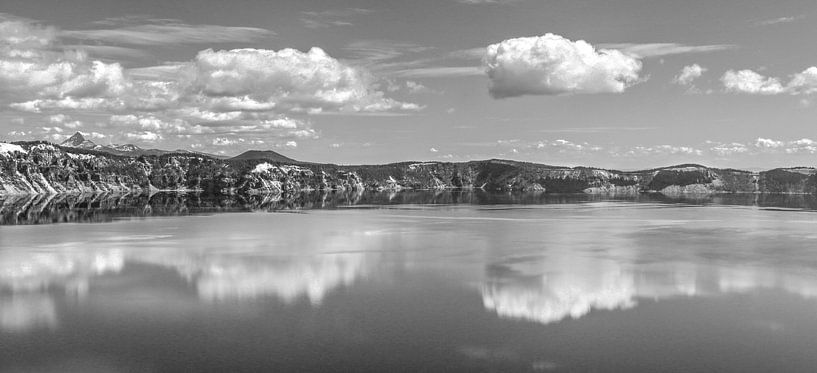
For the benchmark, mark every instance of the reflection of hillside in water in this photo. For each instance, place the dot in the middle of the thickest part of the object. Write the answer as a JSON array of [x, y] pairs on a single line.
[[45, 209]]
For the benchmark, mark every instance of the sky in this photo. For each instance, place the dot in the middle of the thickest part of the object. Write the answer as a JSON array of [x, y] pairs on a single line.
[[619, 84]]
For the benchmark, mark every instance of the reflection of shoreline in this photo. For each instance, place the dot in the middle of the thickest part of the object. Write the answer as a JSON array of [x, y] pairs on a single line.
[[45, 209]]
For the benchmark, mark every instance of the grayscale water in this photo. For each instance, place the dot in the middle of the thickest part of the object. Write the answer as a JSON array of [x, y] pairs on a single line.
[[547, 285]]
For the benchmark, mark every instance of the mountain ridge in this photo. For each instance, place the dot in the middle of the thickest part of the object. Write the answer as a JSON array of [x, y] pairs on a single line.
[[265, 155], [78, 140], [45, 168]]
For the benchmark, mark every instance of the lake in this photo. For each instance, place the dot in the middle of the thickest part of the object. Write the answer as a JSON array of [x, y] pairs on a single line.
[[408, 282]]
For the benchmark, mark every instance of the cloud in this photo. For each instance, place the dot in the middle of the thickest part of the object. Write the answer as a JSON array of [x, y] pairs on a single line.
[[779, 20], [153, 123], [74, 124], [802, 146], [689, 73], [647, 50], [290, 80], [768, 143], [762, 146], [477, 2], [414, 87], [109, 51], [223, 141], [36, 75], [169, 33], [553, 65], [750, 82], [562, 146], [374, 53], [264, 94], [661, 150], [440, 72], [729, 149], [58, 118], [331, 18], [804, 82], [468, 54], [22, 33], [408, 60]]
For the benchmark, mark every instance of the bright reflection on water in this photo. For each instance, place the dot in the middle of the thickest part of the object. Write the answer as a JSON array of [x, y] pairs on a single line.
[[587, 285]]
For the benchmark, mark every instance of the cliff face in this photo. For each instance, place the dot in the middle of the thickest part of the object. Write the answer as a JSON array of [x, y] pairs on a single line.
[[42, 168]]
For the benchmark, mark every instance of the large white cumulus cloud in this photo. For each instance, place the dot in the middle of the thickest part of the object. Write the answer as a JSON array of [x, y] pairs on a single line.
[[259, 79], [553, 65]]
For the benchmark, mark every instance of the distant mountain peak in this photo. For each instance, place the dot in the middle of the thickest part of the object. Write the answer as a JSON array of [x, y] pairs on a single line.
[[76, 140], [79, 141]]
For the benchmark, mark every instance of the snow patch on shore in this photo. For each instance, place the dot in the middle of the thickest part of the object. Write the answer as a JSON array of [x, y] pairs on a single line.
[[7, 149]]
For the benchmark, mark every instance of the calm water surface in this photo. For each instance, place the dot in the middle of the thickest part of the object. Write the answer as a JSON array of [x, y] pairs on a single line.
[[579, 285]]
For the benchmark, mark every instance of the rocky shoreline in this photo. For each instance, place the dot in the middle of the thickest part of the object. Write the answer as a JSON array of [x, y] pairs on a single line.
[[44, 168]]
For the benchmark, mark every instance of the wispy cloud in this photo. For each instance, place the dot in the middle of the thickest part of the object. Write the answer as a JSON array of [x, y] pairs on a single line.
[[597, 129], [468, 54], [440, 72], [779, 20], [409, 60], [109, 51], [646, 50], [331, 18], [477, 2], [370, 52], [366, 114], [397, 59], [168, 32]]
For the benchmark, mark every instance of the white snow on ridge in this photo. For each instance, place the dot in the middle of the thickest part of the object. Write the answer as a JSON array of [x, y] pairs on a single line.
[[416, 165], [263, 167], [6, 148], [80, 156], [289, 168]]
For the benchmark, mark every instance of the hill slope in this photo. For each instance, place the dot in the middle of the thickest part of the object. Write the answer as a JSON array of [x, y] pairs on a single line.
[[267, 155], [43, 168]]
